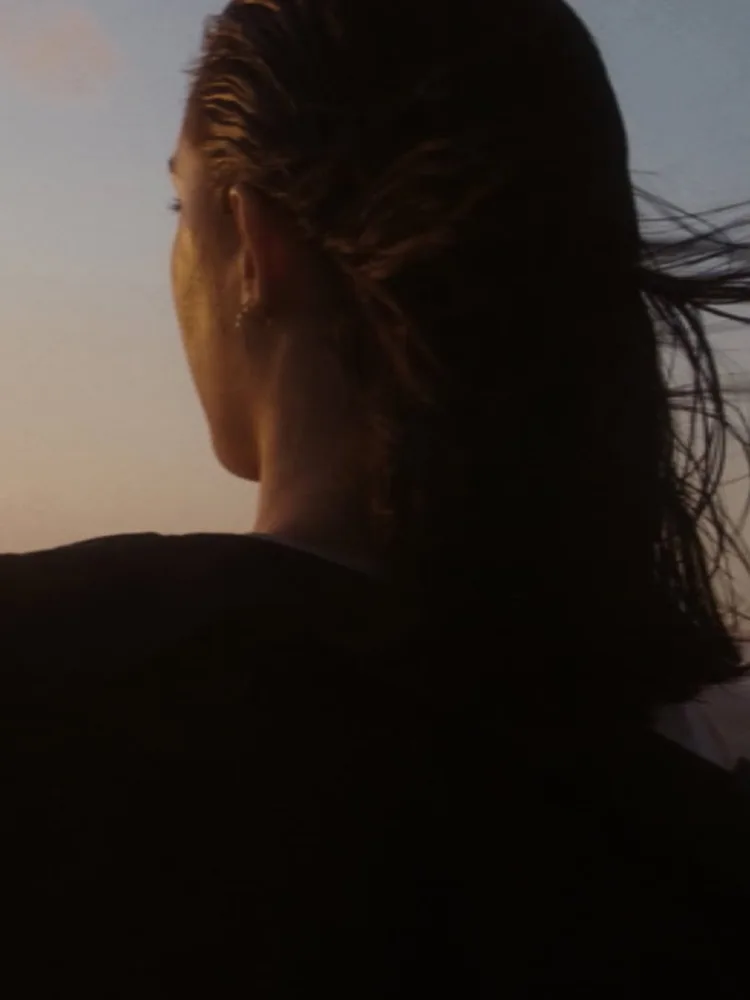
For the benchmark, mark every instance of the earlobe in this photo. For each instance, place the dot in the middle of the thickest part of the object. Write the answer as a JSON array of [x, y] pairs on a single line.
[[248, 288]]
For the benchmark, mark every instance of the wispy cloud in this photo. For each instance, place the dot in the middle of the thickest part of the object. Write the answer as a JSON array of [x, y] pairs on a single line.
[[58, 48]]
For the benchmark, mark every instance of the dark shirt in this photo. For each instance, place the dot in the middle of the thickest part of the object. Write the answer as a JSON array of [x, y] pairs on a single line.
[[225, 773]]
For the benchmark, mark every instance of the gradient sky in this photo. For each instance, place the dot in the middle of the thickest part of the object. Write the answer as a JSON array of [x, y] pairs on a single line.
[[99, 430]]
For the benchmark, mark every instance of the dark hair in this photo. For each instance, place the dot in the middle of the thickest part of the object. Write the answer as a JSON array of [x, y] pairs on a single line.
[[464, 170]]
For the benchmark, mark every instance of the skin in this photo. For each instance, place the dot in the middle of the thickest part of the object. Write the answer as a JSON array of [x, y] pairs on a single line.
[[281, 410]]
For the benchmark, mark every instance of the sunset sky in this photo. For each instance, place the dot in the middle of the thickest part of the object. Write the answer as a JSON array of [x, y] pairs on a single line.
[[99, 430]]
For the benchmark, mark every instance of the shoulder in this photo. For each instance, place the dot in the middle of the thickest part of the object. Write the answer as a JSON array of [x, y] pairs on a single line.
[[136, 567], [110, 557], [121, 596], [113, 603]]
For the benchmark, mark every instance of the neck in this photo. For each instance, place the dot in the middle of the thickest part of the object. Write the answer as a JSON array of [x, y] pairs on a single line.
[[314, 485], [317, 518]]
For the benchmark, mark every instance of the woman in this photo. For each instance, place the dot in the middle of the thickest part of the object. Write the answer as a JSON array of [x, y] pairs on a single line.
[[420, 313], [429, 378]]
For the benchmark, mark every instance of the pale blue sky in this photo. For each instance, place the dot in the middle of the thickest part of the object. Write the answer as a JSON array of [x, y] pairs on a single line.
[[99, 430]]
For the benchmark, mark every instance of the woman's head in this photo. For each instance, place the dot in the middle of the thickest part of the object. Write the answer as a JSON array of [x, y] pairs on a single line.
[[424, 214], [418, 156]]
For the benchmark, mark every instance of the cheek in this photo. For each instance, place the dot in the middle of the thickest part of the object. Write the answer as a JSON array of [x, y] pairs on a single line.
[[213, 357], [191, 306], [190, 293], [183, 273]]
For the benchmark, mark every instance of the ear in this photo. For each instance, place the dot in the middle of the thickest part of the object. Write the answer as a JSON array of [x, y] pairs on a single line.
[[261, 257]]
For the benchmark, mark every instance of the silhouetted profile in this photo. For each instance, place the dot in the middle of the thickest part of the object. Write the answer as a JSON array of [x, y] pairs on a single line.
[[399, 742]]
